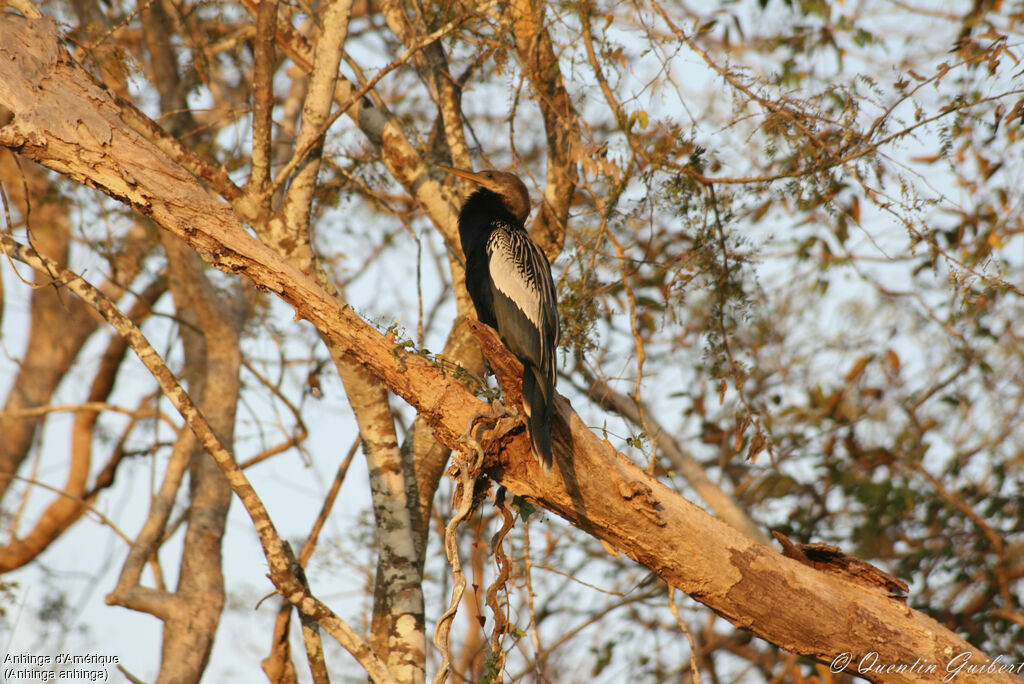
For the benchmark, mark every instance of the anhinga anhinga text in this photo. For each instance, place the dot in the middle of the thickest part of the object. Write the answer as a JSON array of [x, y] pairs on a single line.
[[509, 281]]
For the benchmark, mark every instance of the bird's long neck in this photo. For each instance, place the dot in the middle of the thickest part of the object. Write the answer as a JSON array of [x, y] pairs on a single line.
[[480, 215], [488, 203]]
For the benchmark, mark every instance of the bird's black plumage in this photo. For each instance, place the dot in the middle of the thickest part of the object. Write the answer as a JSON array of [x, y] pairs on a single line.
[[509, 280]]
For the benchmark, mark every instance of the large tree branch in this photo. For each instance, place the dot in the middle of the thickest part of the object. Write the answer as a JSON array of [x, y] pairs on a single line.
[[66, 122], [720, 503]]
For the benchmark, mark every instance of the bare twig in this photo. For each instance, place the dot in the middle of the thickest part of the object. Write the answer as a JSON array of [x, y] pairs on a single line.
[[694, 671]]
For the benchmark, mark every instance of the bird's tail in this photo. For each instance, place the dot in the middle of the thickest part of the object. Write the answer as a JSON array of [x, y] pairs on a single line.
[[538, 391]]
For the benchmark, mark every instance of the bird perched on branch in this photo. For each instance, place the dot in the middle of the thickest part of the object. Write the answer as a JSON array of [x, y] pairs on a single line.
[[509, 281]]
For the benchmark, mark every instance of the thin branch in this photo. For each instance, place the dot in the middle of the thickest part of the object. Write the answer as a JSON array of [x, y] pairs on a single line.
[[83, 502], [278, 664], [264, 63], [297, 437], [500, 628], [694, 671], [90, 406]]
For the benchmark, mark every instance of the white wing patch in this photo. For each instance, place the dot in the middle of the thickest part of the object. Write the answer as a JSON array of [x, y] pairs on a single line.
[[510, 266]]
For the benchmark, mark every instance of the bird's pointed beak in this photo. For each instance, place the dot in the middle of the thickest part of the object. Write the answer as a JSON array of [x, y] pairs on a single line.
[[463, 173]]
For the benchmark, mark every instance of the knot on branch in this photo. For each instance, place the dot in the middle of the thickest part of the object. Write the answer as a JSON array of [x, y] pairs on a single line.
[[641, 496]]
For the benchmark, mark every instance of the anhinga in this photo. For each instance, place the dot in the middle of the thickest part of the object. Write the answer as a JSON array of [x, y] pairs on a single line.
[[509, 281]]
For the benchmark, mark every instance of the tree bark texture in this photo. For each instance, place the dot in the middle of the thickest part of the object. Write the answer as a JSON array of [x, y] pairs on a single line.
[[66, 121]]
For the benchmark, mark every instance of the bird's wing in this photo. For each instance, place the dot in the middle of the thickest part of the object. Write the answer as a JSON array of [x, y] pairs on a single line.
[[523, 288]]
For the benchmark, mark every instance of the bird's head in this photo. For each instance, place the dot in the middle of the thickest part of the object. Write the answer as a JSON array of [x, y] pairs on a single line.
[[512, 191]]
